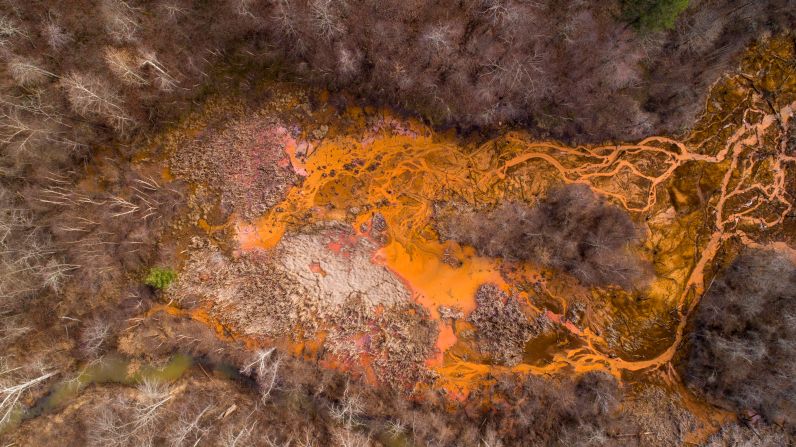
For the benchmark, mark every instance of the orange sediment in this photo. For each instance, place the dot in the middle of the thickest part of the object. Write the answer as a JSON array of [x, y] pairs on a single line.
[[202, 315], [401, 177], [400, 170], [434, 283]]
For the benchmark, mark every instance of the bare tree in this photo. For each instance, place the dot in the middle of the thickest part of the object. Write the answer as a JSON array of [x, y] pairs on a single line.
[[190, 430], [238, 435], [28, 260], [55, 36], [349, 437], [326, 19], [9, 31], [120, 19], [125, 65], [21, 133], [163, 80], [13, 387], [26, 73], [243, 8], [348, 408], [153, 395], [90, 96], [264, 367], [95, 336]]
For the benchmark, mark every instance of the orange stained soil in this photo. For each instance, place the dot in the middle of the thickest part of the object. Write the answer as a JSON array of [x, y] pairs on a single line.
[[202, 315], [307, 348], [208, 228], [435, 284], [400, 169], [398, 176], [402, 177]]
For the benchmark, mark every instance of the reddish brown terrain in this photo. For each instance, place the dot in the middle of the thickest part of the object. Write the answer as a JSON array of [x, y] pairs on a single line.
[[281, 264]]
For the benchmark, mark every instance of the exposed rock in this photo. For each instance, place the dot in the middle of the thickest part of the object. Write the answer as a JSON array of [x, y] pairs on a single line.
[[335, 265], [320, 279]]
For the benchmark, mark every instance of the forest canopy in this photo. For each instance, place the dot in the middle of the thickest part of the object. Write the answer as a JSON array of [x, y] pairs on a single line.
[[742, 351], [570, 229]]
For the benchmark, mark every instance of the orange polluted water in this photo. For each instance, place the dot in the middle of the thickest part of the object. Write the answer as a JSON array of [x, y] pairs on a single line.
[[400, 177], [401, 169], [382, 174], [434, 283]]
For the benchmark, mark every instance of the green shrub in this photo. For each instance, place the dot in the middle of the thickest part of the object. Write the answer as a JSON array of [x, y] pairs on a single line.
[[652, 15], [160, 277]]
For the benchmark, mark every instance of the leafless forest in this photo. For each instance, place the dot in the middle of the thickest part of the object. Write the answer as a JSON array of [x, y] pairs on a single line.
[[86, 85]]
